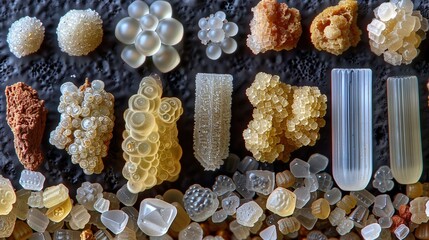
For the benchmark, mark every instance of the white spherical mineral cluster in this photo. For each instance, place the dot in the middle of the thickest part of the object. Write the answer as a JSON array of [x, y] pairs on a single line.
[[80, 32], [25, 36], [217, 32], [150, 32]]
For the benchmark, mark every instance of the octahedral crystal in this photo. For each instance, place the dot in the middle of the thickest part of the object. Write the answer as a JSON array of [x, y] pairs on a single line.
[[281, 202], [213, 94], [115, 220], [383, 206], [269, 233], [151, 148], [155, 216], [200, 203]]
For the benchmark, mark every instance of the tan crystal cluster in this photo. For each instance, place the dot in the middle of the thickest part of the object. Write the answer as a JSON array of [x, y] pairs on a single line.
[[26, 116], [285, 118], [151, 147], [335, 29], [274, 26], [397, 31]]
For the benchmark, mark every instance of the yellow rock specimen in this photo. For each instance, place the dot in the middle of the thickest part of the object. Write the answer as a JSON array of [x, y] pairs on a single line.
[[347, 203], [285, 118], [281, 202], [58, 212], [7, 196], [274, 26], [289, 225], [285, 179], [7, 225], [55, 195], [335, 29], [414, 190], [418, 210], [151, 147], [321, 208], [182, 219]]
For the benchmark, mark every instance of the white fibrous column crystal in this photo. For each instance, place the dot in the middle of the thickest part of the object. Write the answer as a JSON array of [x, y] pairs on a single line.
[[397, 31], [86, 124], [406, 159], [150, 32], [351, 128], [216, 32], [212, 119], [151, 147], [25, 36]]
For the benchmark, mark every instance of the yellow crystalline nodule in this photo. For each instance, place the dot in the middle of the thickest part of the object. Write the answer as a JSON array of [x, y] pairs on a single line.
[[55, 195], [285, 118], [151, 147], [7, 196], [60, 211]]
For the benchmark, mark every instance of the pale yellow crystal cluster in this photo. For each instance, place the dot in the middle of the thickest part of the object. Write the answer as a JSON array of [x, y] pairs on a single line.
[[285, 118], [151, 147], [7, 196]]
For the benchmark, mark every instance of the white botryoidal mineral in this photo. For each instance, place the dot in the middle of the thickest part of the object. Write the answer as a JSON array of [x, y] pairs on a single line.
[[25, 36], [80, 32]]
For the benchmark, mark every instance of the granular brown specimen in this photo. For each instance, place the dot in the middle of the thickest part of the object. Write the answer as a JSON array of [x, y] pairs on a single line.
[[87, 235], [404, 212], [26, 116], [396, 221], [274, 26], [335, 29]]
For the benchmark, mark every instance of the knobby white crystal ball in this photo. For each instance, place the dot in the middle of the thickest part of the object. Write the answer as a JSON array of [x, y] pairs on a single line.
[[80, 32], [25, 36], [150, 32], [217, 33]]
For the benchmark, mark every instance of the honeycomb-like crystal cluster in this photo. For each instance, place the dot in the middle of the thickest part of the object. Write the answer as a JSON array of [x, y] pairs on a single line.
[[25, 36], [217, 32], [274, 26], [151, 147], [86, 124], [88, 194], [335, 29], [397, 31], [150, 31], [200, 203], [7, 196], [285, 118], [80, 32]]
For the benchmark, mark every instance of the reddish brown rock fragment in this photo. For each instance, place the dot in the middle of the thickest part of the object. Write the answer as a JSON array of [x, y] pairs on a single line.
[[87, 235], [404, 212], [396, 221], [26, 116]]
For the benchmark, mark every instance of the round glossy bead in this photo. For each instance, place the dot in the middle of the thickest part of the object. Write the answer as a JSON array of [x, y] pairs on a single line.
[[166, 59], [221, 15], [132, 57], [138, 9], [148, 43], [228, 45], [215, 23], [203, 24], [97, 85], [202, 35], [213, 51], [216, 35], [161, 9], [231, 29], [149, 22], [127, 30], [170, 31]]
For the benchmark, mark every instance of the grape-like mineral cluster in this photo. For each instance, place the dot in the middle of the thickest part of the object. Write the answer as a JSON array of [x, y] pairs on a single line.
[[25, 36], [335, 29], [397, 31], [151, 147], [274, 26], [86, 124], [285, 117]]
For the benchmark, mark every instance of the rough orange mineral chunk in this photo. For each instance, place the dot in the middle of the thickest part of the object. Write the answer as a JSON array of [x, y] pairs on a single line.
[[335, 29], [26, 116], [274, 26]]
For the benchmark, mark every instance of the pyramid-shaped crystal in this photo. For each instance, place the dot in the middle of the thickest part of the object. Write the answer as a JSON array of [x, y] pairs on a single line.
[[155, 216]]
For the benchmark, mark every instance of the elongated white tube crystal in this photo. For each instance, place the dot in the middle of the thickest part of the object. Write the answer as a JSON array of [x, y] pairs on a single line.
[[406, 159], [351, 128], [212, 119]]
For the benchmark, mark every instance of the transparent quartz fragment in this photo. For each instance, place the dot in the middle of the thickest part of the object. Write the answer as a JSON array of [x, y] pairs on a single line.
[[248, 214], [359, 216], [345, 226], [260, 181], [79, 217], [281, 202], [311, 182], [269, 233], [386, 11], [212, 119], [383, 179], [240, 232], [182, 219], [336, 216], [126, 234], [193, 231], [383, 206], [306, 218], [363, 197], [325, 181], [371, 231], [299, 168], [88, 194], [7, 224], [404, 129], [385, 222], [155, 216], [333, 196], [240, 183], [302, 196], [63, 234], [219, 216], [37, 220], [133, 215], [41, 236], [55, 195], [126, 197], [230, 204], [318, 162], [200, 203], [115, 220], [20, 208], [402, 231], [36, 200], [352, 128], [59, 212], [31, 180], [114, 201], [101, 205], [376, 27], [103, 234], [247, 164], [223, 185]]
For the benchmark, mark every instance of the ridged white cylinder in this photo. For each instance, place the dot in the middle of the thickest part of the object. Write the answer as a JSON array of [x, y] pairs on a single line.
[[351, 91], [406, 159]]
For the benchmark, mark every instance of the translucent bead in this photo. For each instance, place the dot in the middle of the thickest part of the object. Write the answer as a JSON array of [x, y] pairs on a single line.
[[239, 231], [240, 183], [221, 15], [170, 31], [161, 9], [202, 35], [88, 194], [37, 220], [166, 59], [149, 22], [148, 43], [260, 181], [299, 168], [155, 216], [359, 216], [401, 232], [383, 179], [200, 203], [132, 57], [126, 197], [63, 234], [182, 219], [138, 9], [363, 197], [288, 225], [41, 236], [223, 185], [383, 206], [333, 196], [311, 182], [79, 217], [193, 231], [20, 208], [203, 24], [231, 29], [281, 202], [302, 196], [32, 180], [285, 179], [269, 233], [101, 205], [347, 203], [414, 190], [215, 22], [127, 30], [317, 162], [228, 45], [55, 195], [325, 181], [219, 216], [115, 220], [216, 35], [371, 231], [306, 219], [320, 208], [248, 214], [230, 204], [213, 51], [36, 200], [345, 226], [336, 216]]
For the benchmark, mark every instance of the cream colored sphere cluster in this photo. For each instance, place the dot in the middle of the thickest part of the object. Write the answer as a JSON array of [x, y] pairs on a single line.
[[150, 32], [25, 36]]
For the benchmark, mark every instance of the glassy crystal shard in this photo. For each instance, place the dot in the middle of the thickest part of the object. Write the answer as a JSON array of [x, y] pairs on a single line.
[[212, 119], [406, 159], [352, 128]]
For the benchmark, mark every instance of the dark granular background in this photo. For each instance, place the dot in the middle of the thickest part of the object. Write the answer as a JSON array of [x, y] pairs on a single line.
[[47, 69]]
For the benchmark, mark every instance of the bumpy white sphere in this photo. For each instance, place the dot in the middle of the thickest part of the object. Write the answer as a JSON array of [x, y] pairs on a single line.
[[127, 29], [231, 29], [161, 9], [138, 9], [228, 45], [148, 43], [170, 31], [166, 59], [80, 32], [216, 35], [213, 51], [132, 57], [25, 36], [149, 22]]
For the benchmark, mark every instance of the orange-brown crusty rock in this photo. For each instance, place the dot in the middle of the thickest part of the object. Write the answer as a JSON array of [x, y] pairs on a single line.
[[26, 116], [335, 29], [274, 26], [87, 235]]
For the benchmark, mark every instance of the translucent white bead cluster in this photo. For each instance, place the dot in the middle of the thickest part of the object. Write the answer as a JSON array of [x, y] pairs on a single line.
[[150, 31], [217, 33], [86, 124], [25, 36], [397, 31]]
